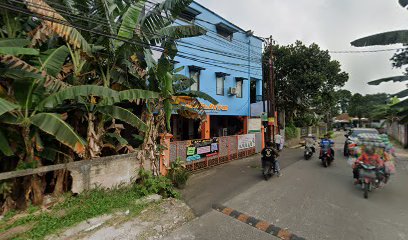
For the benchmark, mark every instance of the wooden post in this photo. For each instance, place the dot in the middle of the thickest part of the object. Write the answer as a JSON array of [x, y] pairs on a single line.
[[205, 128]]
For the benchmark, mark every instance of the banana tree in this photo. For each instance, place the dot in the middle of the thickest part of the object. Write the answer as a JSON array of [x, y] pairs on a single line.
[[98, 103], [20, 111], [399, 59]]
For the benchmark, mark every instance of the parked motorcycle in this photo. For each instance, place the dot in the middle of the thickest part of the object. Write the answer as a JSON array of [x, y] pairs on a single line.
[[370, 178], [308, 153]]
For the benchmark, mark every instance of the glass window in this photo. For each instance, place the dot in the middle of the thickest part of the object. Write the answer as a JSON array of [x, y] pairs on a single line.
[[195, 75], [220, 85], [239, 88], [225, 34]]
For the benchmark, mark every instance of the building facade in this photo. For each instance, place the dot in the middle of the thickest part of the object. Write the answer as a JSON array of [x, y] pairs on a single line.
[[226, 63]]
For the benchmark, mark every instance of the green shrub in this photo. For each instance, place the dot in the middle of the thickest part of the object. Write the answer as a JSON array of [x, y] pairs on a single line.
[[148, 184], [291, 132], [178, 174]]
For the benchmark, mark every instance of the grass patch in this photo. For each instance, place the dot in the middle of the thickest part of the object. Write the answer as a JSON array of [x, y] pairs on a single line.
[[89, 205]]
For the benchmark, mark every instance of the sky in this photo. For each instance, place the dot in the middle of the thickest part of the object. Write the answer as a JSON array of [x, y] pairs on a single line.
[[332, 24]]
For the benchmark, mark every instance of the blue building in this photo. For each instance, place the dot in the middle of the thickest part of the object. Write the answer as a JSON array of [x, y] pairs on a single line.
[[226, 64]]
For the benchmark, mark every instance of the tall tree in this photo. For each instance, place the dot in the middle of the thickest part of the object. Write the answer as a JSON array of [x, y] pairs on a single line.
[[343, 99], [306, 79]]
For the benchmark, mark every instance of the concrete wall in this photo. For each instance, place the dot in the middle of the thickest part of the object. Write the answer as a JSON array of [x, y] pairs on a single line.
[[399, 132], [105, 172]]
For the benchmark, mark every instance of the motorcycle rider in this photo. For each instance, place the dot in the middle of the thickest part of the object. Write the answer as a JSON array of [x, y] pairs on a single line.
[[270, 154], [369, 157], [310, 142], [327, 144]]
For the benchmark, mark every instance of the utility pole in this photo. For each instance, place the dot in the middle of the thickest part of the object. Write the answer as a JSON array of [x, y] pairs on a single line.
[[270, 93]]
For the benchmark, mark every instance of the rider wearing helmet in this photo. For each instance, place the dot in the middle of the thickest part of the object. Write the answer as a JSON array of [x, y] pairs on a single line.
[[327, 144], [369, 157], [310, 142]]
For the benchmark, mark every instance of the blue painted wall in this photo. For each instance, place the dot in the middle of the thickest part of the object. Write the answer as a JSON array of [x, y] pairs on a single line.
[[245, 62]]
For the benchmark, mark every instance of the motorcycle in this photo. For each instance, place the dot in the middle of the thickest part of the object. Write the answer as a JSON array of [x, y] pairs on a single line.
[[370, 178], [268, 169], [308, 153], [326, 158]]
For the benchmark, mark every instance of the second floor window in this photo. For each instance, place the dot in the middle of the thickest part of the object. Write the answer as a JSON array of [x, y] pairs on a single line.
[[225, 31], [240, 82], [220, 83], [195, 75], [188, 15]]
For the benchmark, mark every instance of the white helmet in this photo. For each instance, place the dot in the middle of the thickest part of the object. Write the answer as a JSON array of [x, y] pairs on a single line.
[[310, 135]]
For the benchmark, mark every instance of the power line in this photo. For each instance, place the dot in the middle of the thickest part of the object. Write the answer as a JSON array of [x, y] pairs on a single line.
[[155, 48], [154, 4], [103, 22]]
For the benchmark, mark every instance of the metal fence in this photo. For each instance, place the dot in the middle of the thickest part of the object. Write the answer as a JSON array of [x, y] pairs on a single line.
[[228, 150]]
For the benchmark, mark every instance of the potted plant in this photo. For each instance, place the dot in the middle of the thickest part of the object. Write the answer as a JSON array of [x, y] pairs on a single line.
[[178, 173]]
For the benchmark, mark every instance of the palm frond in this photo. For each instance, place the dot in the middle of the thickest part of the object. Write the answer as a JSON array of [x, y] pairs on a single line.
[[68, 33], [385, 38], [387, 79]]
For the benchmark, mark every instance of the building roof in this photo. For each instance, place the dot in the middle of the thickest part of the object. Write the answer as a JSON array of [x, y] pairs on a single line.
[[343, 117], [235, 26]]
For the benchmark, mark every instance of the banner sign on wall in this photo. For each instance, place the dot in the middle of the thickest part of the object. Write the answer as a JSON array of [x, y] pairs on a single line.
[[246, 141], [202, 148]]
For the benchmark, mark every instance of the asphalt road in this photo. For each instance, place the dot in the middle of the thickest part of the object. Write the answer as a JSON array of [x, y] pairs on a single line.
[[221, 183], [308, 200]]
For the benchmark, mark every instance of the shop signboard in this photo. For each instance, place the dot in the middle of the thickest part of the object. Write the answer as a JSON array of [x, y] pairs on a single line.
[[246, 141], [254, 125], [202, 148]]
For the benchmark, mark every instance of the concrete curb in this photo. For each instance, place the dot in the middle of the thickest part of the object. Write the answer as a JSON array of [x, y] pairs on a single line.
[[258, 224]]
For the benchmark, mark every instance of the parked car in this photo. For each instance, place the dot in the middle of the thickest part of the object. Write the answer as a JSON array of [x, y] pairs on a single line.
[[352, 134]]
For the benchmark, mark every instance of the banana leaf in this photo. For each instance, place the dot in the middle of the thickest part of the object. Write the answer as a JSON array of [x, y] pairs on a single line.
[[401, 94], [129, 22], [198, 94], [179, 32], [70, 34], [14, 42], [52, 60], [18, 51], [136, 94], [75, 92], [62, 131], [403, 3], [386, 38], [124, 115], [4, 145], [6, 106], [394, 79]]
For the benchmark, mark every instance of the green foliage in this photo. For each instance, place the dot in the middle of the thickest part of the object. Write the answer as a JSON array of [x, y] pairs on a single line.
[[343, 99], [362, 106], [148, 184], [306, 78], [291, 131], [178, 174]]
